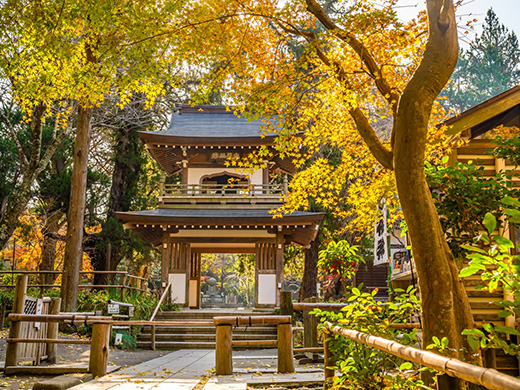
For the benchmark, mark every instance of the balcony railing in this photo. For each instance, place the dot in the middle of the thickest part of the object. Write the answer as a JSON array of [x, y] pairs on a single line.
[[222, 193]]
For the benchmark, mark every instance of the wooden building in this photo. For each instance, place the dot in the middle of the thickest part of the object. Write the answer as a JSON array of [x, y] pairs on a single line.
[[207, 214]]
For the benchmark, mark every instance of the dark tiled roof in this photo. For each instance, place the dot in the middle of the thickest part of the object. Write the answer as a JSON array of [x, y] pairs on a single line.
[[214, 213], [214, 122]]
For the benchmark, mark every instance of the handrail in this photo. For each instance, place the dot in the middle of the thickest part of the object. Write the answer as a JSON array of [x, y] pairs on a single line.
[[488, 377], [160, 302]]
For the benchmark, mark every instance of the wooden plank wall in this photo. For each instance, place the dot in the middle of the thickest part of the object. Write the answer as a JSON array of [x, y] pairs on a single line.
[[482, 301], [265, 257]]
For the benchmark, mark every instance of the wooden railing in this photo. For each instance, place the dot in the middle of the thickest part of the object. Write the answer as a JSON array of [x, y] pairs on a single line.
[[124, 283], [218, 193]]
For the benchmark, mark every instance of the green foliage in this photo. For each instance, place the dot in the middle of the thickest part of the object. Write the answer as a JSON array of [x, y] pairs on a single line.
[[127, 341], [360, 366], [497, 261], [340, 259], [463, 196], [487, 68]]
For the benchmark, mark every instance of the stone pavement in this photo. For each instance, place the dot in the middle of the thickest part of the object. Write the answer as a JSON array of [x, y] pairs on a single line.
[[190, 369]]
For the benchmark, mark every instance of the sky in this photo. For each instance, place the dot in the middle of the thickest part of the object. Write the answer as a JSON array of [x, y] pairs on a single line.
[[508, 12]]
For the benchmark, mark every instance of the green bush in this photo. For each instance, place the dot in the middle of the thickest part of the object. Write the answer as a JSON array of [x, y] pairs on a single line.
[[363, 367]]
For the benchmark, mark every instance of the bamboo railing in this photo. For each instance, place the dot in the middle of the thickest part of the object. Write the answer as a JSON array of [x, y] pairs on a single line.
[[454, 368]]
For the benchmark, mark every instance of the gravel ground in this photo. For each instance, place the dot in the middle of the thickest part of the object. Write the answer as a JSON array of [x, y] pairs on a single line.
[[73, 354]]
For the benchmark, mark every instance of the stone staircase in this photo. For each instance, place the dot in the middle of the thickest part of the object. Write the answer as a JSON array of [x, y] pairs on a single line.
[[202, 335]]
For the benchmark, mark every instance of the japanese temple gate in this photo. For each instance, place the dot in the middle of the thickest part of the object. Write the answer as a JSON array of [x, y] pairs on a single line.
[[206, 214]]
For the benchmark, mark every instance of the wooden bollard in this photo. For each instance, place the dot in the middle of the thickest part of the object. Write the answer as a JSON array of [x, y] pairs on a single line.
[[153, 338], [52, 330], [11, 355], [224, 350], [310, 327], [329, 372], [99, 349], [285, 349], [286, 306]]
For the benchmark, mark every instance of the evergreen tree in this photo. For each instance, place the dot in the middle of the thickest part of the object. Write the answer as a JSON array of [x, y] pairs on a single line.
[[488, 68]]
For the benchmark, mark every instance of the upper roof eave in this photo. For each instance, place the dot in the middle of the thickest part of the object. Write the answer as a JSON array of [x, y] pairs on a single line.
[[150, 137], [483, 111]]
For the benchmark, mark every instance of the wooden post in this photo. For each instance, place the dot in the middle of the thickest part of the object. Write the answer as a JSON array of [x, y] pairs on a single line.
[[99, 349], [329, 372], [446, 382], [310, 327], [11, 355], [489, 358], [2, 317], [224, 351], [123, 284], [280, 242], [285, 349], [286, 307], [52, 330], [153, 338]]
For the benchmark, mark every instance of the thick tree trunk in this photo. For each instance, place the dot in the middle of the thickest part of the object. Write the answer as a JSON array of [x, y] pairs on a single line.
[[73, 248], [310, 271], [446, 310]]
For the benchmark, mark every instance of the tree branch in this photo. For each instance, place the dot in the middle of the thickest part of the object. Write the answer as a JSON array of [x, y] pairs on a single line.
[[382, 154], [364, 54]]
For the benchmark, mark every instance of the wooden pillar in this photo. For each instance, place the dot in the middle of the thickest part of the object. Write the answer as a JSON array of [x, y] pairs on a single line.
[[446, 382], [11, 355], [286, 306], [280, 242], [165, 260], [327, 355], [310, 326], [52, 330], [187, 266], [285, 349], [99, 349], [224, 351], [153, 338]]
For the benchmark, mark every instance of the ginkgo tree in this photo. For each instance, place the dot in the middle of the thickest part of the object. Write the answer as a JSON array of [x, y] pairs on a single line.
[[71, 54], [367, 83]]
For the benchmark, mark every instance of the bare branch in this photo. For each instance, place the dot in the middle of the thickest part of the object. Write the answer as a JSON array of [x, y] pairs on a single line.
[[364, 54], [382, 154]]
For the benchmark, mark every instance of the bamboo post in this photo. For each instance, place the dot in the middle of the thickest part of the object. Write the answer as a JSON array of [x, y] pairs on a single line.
[[285, 349], [329, 372], [11, 356], [286, 307], [99, 350], [52, 330], [310, 326], [224, 350], [153, 338]]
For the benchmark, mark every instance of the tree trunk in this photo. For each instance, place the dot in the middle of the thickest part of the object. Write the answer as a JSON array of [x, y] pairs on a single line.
[[50, 240], [73, 248], [446, 310], [310, 271]]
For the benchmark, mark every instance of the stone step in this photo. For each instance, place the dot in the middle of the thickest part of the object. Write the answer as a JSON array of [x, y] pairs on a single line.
[[207, 329], [196, 314], [169, 345], [203, 337]]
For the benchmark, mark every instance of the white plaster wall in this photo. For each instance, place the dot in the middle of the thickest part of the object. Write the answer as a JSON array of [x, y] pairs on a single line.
[[194, 174], [178, 290], [267, 289]]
